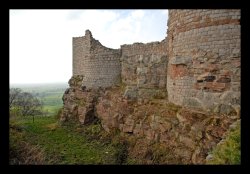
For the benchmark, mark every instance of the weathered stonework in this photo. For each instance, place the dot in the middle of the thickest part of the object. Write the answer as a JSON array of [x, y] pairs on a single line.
[[144, 68], [100, 66], [142, 65], [196, 67], [183, 130], [204, 58]]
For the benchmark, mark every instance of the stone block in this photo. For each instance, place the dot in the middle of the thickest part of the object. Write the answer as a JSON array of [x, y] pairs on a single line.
[[150, 134], [187, 141], [219, 86], [193, 102], [138, 129], [165, 127], [128, 128], [180, 117], [131, 93], [181, 60]]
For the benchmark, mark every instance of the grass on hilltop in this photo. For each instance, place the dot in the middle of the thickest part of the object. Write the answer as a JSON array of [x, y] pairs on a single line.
[[57, 144]]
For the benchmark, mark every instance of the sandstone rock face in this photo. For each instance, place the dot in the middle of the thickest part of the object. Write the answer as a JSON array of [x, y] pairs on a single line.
[[78, 102], [112, 109], [195, 131], [156, 121]]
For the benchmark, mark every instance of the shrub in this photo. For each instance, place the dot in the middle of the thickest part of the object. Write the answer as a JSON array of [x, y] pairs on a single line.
[[121, 145], [122, 152], [229, 151]]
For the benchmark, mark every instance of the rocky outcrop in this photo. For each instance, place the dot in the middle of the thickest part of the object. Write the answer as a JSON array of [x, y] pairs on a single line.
[[112, 109], [79, 102], [179, 128], [154, 120]]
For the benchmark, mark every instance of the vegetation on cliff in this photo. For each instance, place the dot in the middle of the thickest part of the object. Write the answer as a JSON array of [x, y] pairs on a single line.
[[229, 150]]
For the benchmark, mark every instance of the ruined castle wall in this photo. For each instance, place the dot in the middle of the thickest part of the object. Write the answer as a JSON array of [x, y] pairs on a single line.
[[141, 48], [78, 50], [103, 67], [199, 65], [204, 58], [144, 67], [99, 65]]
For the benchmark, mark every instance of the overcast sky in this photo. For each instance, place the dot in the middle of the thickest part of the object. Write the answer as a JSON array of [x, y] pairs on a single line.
[[41, 40]]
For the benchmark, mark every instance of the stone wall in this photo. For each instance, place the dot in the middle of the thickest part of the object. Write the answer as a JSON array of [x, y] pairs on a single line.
[[144, 68], [79, 48], [204, 59], [197, 65], [100, 66]]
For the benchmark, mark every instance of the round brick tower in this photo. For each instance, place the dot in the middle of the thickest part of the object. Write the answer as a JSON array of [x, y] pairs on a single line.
[[204, 59]]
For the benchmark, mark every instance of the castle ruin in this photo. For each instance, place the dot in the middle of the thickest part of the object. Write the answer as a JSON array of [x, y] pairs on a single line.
[[198, 62], [196, 66]]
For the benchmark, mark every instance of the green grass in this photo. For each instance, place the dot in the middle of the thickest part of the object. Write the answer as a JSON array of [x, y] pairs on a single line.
[[62, 145], [228, 152], [58, 144], [52, 110], [52, 102]]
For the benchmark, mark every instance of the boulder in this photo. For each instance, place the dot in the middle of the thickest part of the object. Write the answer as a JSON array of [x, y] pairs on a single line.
[[180, 117]]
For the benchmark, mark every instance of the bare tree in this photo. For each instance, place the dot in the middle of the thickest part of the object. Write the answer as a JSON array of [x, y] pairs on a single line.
[[29, 105], [13, 96], [25, 103]]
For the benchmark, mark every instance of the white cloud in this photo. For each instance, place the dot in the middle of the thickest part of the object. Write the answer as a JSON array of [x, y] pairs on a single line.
[[165, 12], [41, 40], [137, 14]]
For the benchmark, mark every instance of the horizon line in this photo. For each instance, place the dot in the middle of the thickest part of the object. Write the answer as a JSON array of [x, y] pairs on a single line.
[[24, 83]]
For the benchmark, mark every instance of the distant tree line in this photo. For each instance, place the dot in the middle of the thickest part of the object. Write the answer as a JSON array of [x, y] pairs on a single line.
[[24, 103]]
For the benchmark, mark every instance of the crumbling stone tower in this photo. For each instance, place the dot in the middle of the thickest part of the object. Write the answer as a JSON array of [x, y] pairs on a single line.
[[100, 66], [204, 59]]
